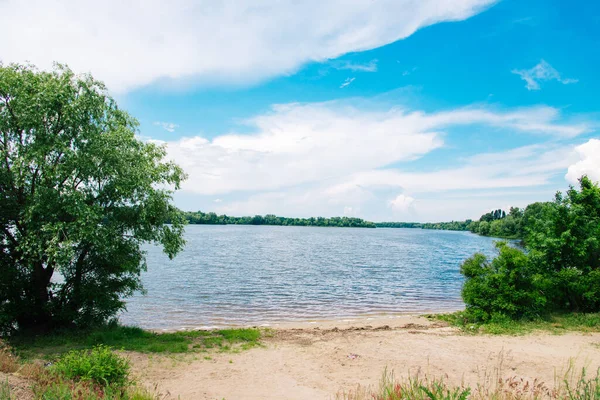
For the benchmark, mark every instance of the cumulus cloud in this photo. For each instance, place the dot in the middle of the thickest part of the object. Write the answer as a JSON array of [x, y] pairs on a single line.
[[129, 44], [541, 72], [347, 82], [588, 163], [338, 152], [402, 203], [167, 126], [301, 143]]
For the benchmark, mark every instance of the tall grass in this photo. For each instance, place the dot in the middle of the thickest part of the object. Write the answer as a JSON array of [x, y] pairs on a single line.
[[5, 390], [415, 387], [572, 386], [8, 361]]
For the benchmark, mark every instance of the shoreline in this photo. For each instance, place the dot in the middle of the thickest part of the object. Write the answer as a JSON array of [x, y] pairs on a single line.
[[319, 359], [393, 320]]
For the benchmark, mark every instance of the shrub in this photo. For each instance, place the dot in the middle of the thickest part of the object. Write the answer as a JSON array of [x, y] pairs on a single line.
[[99, 365], [504, 288], [560, 271]]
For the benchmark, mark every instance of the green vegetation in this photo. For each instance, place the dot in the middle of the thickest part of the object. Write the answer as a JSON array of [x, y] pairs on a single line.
[[444, 226], [558, 273], [135, 339], [556, 323], [5, 391], [83, 366], [412, 388], [499, 224], [100, 366], [89, 374], [496, 224], [200, 218], [79, 195], [573, 386]]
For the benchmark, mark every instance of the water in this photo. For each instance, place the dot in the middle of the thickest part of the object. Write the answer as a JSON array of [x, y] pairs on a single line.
[[253, 275]]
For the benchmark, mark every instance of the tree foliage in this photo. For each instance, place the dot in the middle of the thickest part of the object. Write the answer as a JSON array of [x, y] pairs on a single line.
[[504, 287], [559, 271], [79, 195], [443, 226]]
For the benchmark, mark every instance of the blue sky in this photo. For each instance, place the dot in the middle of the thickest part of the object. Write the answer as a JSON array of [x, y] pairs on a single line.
[[383, 109]]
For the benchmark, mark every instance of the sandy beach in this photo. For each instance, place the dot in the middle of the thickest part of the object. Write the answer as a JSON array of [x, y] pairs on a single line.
[[319, 359]]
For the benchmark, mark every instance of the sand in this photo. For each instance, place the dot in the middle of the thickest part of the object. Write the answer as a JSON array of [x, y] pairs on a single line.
[[318, 359]]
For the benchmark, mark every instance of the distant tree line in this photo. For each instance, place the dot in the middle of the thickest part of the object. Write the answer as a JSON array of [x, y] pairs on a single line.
[[496, 223], [445, 226], [500, 224], [211, 218]]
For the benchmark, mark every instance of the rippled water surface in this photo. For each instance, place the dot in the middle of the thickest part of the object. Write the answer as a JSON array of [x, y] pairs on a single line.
[[230, 275]]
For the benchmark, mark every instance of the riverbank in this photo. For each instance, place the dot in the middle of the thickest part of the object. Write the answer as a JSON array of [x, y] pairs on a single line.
[[318, 361], [330, 359]]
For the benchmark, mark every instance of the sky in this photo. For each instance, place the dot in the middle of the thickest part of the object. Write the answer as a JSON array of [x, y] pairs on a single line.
[[388, 110]]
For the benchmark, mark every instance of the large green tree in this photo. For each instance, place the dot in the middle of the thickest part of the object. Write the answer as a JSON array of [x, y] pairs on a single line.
[[79, 196]]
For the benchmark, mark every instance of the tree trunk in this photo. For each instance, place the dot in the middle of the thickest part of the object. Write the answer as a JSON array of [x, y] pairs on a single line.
[[39, 319]]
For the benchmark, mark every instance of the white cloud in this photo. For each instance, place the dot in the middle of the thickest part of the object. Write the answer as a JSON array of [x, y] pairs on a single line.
[[129, 44], [217, 201], [541, 72], [588, 163], [524, 167], [538, 120], [167, 126], [371, 66], [481, 183], [333, 152], [301, 143], [347, 82], [402, 203]]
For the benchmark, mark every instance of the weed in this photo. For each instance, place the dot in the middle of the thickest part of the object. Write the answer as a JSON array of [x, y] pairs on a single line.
[[100, 365], [5, 391], [8, 361], [413, 388], [573, 386]]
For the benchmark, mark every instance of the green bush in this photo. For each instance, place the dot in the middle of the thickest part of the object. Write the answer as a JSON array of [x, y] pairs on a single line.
[[559, 272], [99, 365], [502, 288]]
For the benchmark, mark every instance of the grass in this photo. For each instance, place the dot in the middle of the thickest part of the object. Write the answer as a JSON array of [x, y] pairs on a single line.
[[135, 339], [8, 361], [413, 388], [78, 375], [556, 324], [573, 386], [5, 391]]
